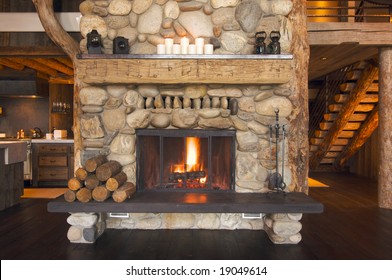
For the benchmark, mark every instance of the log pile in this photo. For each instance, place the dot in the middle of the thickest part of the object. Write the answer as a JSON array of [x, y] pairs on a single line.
[[99, 179]]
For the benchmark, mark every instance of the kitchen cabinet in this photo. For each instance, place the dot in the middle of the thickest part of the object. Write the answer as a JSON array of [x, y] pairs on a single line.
[[61, 107], [53, 162]]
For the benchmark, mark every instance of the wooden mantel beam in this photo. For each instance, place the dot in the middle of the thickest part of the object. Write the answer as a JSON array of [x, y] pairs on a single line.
[[368, 76], [54, 29], [360, 138], [107, 69]]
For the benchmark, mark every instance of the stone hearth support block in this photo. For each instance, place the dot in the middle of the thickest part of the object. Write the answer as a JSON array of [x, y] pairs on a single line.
[[86, 227], [283, 228]]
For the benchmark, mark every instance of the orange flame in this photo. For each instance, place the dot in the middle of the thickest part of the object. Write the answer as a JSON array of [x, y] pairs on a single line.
[[192, 160], [192, 153]]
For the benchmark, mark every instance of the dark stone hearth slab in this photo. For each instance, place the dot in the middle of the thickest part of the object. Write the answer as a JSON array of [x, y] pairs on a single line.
[[179, 202]]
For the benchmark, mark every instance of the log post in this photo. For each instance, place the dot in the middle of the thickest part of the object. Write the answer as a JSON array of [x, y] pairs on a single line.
[[299, 121], [54, 29], [385, 131]]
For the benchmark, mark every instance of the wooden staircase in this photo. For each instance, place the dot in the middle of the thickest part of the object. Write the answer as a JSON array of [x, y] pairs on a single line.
[[349, 120]]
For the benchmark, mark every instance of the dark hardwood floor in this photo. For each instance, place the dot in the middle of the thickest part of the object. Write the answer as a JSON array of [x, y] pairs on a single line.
[[352, 227]]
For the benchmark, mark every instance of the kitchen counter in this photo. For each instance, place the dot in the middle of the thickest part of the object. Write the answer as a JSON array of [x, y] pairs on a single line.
[[53, 141], [12, 157], [12, 152]]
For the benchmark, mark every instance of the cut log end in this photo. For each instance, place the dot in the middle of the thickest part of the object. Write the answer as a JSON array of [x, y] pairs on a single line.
[[124, 192], [81, 174], [115, 182], [93, 163], [70, 195], [107, 170], [101, 193], [83, 195], [74, 184]]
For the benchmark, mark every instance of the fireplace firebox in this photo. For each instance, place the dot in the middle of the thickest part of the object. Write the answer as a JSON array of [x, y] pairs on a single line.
[[185, 160]]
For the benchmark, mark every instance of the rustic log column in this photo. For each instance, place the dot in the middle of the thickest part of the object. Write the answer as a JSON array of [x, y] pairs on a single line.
[[385, 125], [54, 29], [298, 144]]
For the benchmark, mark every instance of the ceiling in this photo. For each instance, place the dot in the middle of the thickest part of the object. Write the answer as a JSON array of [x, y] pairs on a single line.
[[326, 59], [58, 69]]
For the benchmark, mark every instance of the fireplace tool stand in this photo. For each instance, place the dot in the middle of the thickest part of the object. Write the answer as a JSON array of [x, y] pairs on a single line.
[[276, 180]]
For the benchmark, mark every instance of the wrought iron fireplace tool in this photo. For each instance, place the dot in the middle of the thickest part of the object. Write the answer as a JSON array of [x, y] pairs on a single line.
[[276, 180]]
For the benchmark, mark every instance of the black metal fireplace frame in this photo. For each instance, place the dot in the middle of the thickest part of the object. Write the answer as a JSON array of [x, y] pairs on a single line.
[[202, 133]]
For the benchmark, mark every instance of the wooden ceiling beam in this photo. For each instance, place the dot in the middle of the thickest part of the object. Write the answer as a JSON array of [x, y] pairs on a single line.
[[55, 64], [368, 76], [32, 51], [11, 64], [62, 80], [360, 138], [65, 61], [325, 59], [43, 76], [35, 65], [54, 29]]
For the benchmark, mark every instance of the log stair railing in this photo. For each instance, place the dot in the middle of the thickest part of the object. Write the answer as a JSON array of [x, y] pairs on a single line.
[[349, 121]]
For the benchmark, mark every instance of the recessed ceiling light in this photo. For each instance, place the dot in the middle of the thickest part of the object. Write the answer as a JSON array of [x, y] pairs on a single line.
[[324, 58]]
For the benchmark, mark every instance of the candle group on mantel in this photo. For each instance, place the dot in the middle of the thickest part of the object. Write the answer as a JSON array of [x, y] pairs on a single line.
[[184, 47]]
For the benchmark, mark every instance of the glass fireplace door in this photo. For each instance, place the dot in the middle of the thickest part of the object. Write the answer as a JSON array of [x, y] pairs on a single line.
[[185, 160]]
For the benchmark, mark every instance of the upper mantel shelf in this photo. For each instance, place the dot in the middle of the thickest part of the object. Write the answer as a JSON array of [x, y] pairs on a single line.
[[189, 56], [184, 69]]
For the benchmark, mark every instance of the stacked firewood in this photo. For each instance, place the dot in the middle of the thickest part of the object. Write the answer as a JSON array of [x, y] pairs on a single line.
[[99, 179]]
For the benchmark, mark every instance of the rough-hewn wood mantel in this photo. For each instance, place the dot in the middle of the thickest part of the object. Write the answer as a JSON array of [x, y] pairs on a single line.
[[161, 69]]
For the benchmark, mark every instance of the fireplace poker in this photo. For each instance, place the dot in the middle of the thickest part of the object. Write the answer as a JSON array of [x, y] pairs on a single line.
[[277, 128], [282, 185], [276, 179], [270, 148]]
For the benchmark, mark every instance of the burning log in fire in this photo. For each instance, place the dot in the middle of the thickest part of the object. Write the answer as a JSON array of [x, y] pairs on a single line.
[[191, 172]]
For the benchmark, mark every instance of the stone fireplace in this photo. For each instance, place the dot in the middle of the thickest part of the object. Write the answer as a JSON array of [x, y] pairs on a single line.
[[125, 102]]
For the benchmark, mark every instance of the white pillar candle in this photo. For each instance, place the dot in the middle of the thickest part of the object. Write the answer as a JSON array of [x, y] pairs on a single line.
[[176, 49], [184, 45], [169, 45], [208, 49], [161, 49], [192, 49], [199, 42]]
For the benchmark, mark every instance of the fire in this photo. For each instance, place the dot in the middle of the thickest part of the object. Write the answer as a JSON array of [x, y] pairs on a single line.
[[192, 161], [192, 154]]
